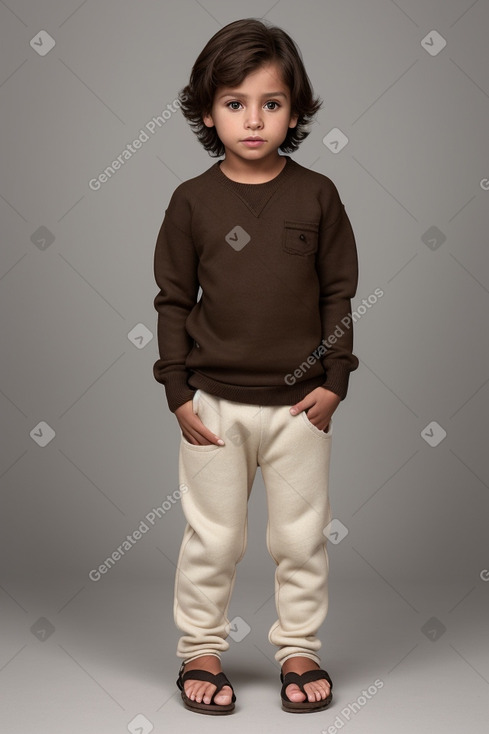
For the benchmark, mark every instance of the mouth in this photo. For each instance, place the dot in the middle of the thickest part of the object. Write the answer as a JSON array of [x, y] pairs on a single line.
[[253, 141]]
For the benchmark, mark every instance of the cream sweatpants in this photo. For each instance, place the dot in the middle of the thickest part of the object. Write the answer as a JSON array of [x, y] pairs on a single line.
[[294, 459]]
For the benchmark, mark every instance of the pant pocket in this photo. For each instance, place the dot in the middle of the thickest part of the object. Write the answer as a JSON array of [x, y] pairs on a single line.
[[197, 405], [195, 401], [321, 434]]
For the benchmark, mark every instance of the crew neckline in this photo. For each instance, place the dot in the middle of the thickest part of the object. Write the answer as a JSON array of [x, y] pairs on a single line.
[[262, 183], [255, 195]]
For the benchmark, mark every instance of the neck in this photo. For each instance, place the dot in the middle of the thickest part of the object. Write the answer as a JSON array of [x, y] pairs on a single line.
[[260, 171]]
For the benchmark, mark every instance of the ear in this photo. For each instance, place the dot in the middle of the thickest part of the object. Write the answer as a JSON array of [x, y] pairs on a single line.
[[293, 120], [208, 121]]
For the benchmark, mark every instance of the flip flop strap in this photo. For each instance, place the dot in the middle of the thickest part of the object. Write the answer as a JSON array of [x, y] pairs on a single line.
[[218, 679], [307, 677]]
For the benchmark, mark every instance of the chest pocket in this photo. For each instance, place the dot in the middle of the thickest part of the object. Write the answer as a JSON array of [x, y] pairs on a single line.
[[300, 238]]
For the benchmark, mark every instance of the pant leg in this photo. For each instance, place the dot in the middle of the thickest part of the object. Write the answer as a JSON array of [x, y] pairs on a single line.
[[294, 458], [219, 481]]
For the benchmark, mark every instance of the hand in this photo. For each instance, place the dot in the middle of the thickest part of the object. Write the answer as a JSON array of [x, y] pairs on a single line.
[[321, 403], [192, 427]]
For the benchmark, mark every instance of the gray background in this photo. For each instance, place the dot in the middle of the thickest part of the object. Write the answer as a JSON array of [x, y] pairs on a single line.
[[408, 588]]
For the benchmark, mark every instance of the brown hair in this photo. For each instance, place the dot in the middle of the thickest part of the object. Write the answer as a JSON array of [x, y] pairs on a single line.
[[232, 53]]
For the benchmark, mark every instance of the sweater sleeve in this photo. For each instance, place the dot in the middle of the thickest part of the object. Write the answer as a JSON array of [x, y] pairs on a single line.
[[337, 267], [175, 271]]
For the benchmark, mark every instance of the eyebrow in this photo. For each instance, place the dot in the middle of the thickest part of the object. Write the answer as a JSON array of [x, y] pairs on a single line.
[[231, 93]]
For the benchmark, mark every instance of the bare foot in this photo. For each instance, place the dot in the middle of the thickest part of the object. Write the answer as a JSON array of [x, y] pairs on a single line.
[[316, 690], [202, 691]]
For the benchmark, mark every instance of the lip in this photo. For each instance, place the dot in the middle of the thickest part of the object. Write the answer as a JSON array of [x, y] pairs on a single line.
[[253, 142]]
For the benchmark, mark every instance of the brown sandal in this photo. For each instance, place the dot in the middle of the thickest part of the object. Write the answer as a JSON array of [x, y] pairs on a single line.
[[218, 679], [302, 707]]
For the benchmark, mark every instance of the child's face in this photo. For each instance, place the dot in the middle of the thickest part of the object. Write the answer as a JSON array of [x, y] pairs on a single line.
[[259, 108]]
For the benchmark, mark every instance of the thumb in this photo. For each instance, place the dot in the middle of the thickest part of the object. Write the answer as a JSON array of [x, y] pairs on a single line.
[[298, 407]]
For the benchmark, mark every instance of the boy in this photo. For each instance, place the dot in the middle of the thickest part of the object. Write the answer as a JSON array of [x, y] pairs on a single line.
[[255, 369]]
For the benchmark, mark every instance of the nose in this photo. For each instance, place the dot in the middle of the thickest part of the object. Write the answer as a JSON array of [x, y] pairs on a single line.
[[254, 119]]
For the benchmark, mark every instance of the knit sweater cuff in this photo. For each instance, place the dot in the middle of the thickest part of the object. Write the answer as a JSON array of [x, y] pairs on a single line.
[[337, 379], [177, 390]]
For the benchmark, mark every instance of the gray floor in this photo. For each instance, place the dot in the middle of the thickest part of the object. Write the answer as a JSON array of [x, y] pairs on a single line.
[[105, 660]]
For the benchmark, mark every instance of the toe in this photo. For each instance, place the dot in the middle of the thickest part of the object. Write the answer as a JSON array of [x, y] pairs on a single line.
[[198, 691], [207, 693], [317, 690], [294, 693], [224, 696]]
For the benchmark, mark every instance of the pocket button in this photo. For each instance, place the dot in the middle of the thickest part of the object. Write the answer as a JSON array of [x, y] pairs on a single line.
[[300, 238]]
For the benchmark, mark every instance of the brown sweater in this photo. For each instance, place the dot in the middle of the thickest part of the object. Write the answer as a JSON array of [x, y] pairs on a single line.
[[277, 265]]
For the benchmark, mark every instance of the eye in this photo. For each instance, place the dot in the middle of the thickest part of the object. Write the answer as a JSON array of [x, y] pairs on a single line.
[[275, 107], [234, 102]]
